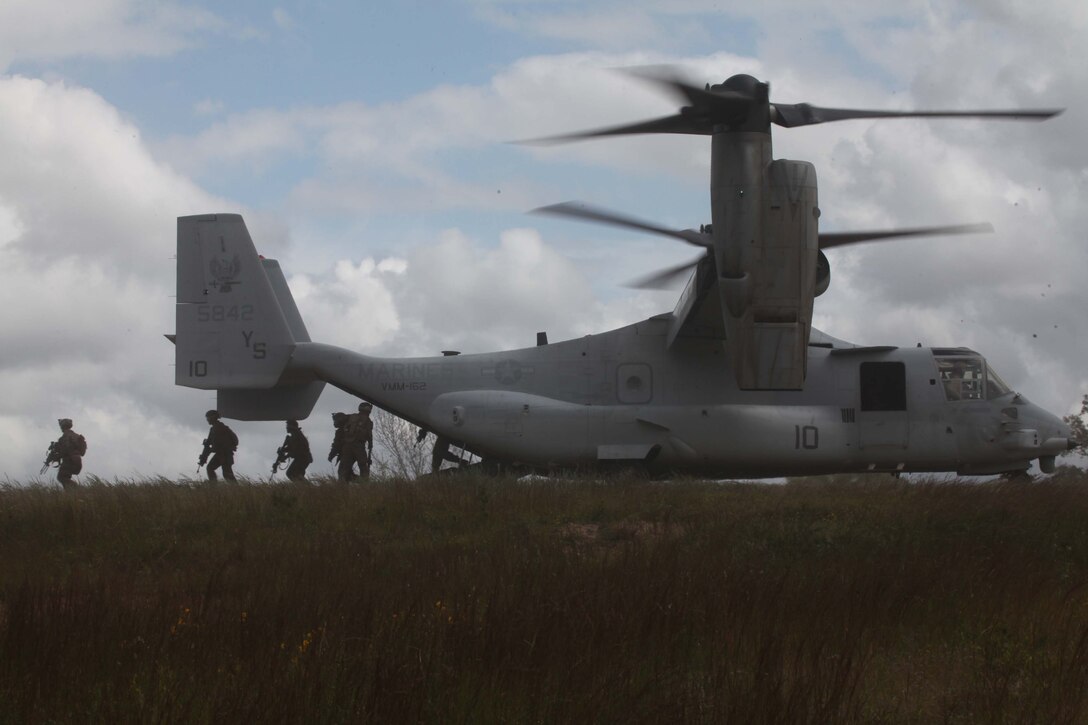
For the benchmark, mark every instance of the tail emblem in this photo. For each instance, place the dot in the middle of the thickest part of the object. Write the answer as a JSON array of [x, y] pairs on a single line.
[[225, 273]]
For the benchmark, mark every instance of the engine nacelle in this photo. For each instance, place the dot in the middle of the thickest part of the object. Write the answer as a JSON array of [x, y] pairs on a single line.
[[779, 260]]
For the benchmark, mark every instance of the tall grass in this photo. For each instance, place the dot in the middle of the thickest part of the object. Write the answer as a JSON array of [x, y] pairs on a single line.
[[480, 600]]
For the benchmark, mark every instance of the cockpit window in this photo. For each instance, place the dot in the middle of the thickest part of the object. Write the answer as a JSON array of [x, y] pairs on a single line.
[[995, 386], [969, 378], [962, 377]]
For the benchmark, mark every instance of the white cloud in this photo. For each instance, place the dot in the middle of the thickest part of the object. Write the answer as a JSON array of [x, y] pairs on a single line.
[[483, 299], [456, 293], [49, 30], [351, 305], [87, 226], [209, 107], [79, 180], [253, 138], [10, 226], [395, 155], [609, 28]]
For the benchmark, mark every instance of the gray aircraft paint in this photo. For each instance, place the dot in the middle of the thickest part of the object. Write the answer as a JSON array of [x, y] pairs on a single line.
[[625, 395]]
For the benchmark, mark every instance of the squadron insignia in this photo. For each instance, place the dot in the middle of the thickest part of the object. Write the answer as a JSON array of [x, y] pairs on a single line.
[[224, 272]]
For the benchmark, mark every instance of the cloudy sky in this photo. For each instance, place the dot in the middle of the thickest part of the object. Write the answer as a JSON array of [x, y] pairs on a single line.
[[366, 145]]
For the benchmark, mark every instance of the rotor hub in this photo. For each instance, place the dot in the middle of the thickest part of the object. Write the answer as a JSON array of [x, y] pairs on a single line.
[[740, 83]]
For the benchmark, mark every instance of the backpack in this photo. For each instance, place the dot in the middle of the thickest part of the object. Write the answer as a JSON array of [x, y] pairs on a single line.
[[359, 429], [81, 444]]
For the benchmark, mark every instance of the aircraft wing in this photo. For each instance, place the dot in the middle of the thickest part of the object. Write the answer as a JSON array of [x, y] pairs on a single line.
[[698, 312]]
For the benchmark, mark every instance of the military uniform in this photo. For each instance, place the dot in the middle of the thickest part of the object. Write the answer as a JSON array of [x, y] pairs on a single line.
[[358, 443], [297, 448], [68, 450], [345, 468], [222, 442]]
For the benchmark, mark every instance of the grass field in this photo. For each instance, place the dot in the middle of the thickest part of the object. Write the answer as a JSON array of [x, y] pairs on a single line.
[[472, 600]]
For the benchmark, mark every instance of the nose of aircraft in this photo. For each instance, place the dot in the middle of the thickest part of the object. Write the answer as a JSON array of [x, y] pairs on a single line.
[[1055, 436]]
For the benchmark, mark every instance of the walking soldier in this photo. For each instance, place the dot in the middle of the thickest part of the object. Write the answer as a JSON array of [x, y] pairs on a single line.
[[221, 443]]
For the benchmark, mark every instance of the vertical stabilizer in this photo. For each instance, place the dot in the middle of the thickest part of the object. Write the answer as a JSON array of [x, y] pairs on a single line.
[[286, 300], [284, 402], [231, 331]]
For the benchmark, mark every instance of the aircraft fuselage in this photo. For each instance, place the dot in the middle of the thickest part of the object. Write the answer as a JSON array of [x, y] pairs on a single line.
[[625, 397]]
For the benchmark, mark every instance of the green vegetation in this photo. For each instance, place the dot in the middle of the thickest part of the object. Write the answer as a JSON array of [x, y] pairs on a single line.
[[846, 599]]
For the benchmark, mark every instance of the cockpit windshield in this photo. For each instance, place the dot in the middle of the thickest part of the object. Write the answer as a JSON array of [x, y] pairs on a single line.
[[995, 386], [969, 378]]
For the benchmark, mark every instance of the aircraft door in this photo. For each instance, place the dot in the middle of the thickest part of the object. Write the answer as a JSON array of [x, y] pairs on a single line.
[[882, 415]]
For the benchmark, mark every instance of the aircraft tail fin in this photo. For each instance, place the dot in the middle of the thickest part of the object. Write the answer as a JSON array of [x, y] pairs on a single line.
[[237, 324]]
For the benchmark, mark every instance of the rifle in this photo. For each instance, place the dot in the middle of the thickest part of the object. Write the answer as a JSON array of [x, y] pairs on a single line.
[[281, 456], [204, 454], [50, 457]]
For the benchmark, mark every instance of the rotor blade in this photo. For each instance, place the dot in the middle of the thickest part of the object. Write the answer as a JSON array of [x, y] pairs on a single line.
[[839, 239], [583, 211], [676, 123], [718, 103], [665, 278], [670, 78], [707, 109], [791, 115]]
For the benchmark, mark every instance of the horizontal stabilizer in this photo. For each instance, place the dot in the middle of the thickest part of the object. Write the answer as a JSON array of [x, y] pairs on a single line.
[[285, 402]]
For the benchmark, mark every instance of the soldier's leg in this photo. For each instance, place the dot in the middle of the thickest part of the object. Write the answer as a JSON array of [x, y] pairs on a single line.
[[213, 464], [346, 471], [297, 470], [65, 472], [358, 452], [438, 453], [228, 468]]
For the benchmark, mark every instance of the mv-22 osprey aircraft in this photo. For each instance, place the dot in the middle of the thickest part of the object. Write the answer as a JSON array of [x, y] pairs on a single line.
[[733, 382]]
